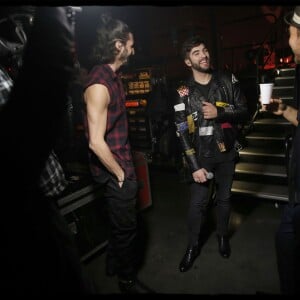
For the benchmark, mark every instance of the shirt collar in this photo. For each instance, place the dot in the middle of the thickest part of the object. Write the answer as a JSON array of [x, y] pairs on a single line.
[[114, 75]]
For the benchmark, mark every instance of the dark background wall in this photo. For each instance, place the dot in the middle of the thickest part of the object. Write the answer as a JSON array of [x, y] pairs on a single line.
[[230, 30]]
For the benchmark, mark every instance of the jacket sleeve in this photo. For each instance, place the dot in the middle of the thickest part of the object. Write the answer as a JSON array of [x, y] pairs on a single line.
[[237, 110], [183, 133]]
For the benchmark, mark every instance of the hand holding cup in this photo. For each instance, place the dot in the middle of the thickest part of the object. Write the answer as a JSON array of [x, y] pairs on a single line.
[[275, 106], [266, 90]]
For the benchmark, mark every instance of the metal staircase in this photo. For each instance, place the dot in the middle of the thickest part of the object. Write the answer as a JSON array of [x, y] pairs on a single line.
[[261, 170]]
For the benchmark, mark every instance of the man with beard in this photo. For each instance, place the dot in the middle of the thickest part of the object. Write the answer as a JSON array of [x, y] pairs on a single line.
[[208, 107], [287, 238], [110, 155]]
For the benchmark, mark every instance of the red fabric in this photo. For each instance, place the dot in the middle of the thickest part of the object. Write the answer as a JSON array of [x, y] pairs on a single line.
[[226, 125]]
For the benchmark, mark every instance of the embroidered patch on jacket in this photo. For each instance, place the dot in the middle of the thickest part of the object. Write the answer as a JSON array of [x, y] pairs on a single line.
[[190, 151], [204, 131], [234, 79], [221, 104], [195, 115], [227, 107], [179, 107], [182, 126], [183, 91], [191, 123]]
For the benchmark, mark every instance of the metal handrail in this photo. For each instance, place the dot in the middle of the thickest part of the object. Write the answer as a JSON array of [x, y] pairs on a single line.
[[260, 45]]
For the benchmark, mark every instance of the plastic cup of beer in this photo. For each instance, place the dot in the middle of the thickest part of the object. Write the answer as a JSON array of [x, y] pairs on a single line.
[[266, 90]]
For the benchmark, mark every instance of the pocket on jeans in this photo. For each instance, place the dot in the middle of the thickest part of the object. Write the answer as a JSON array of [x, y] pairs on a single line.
[[129, 188]]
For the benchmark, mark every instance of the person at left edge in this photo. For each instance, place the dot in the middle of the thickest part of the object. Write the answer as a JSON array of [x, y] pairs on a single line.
[[39, 253]]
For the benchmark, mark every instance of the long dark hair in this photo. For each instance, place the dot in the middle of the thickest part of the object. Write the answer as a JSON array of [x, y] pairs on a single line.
[[109, 31]]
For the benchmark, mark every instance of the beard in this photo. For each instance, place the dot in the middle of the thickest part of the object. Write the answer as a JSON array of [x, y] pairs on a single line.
[[198, 68], [124, 57]]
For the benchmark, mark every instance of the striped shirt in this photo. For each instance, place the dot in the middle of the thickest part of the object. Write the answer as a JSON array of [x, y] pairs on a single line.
[[116, 135]]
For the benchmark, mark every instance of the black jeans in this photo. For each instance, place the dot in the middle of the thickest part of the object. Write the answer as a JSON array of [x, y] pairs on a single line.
[[287, 243], [121, 209], [223, 175]]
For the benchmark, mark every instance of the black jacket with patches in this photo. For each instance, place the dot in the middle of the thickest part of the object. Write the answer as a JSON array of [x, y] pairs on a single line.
[[226, 95]]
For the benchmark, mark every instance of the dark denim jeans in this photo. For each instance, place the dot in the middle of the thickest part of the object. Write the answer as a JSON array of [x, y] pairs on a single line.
[[287, 242], [223, 176], [122, 213]]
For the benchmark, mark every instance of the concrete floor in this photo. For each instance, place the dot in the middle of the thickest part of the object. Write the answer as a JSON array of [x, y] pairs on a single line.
[[250, 270]]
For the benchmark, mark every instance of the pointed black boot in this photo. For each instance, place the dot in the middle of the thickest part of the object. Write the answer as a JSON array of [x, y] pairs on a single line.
[[134, 286], [189, 257], [224, 246]]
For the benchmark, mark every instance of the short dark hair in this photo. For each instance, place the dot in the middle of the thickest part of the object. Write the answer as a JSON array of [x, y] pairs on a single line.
[[189, 44], [108, 32]]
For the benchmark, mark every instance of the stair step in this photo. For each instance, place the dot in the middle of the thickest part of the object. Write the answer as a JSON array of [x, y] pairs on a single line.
[[272, 121], [271, 128], [279, 91], [270, 152], [261, 142], [260, 190], [287, 99], [267, 136], [286, 72], [284, 81], [261, 169], [269, 115]]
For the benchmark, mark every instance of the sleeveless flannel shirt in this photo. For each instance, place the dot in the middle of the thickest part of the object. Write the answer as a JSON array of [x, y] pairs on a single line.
[[116, 135]]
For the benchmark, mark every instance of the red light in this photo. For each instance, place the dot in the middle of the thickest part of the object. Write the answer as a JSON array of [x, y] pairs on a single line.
[[132, 103]]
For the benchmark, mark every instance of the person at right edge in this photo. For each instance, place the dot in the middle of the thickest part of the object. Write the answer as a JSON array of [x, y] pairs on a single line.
[[287, 238], [110, 156], [208, 107]]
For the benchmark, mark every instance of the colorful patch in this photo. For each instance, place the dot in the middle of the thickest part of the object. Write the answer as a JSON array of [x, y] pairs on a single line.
[[234, 79], [179, 107], [191, 124], [183, 91], [190, 152], [182, 126], [221, 104]]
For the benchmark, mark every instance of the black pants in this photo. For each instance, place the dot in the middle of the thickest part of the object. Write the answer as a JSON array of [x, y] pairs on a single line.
[[122, 243], [223, 174], [287, 242]]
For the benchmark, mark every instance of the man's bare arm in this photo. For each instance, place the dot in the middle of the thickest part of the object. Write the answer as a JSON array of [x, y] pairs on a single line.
[[97, 99]]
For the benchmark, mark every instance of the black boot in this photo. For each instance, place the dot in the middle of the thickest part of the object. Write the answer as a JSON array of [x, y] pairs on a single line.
[[134, 286], [189, 257], [224, 246]]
